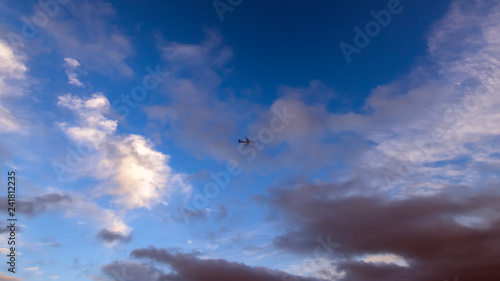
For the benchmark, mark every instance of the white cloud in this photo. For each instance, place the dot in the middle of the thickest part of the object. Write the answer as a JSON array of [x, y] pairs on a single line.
[[12, 64], [131, 170], [12, 76], [317, 267], [71, 65], [385, 258], [71, 62], [8, 122]]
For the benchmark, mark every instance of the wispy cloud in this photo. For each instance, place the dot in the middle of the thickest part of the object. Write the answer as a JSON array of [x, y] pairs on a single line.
[[72, 205], [12, 75], [89, 36], [71, 65], [196, 73]]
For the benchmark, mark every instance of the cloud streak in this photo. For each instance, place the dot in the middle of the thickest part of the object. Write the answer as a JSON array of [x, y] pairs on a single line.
[[87, 35], [72, 205]]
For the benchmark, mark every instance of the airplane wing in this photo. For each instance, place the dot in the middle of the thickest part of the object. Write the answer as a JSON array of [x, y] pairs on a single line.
[[247, 139]]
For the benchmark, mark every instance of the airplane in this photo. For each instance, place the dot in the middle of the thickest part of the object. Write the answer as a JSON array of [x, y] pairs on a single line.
[[246, 141]]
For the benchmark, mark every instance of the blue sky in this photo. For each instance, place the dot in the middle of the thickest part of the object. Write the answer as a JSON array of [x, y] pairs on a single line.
[[122, 119]]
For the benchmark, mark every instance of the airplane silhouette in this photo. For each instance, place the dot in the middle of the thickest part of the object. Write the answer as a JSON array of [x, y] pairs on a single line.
[[246, 141]]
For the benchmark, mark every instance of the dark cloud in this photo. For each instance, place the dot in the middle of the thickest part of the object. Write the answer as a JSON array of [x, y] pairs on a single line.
[[188, 267], [5, 229], [110, 236], [186, 214], [88, 35], [128, 271], [39, 204], [454, 233], [221, 212]]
